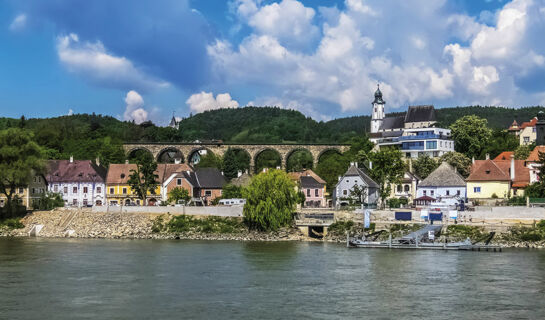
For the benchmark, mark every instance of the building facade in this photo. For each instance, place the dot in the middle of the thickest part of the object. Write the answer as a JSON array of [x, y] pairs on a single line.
[[355, 176], [312, 186], [204, 185], [81, 183], [407, 188], [443, 184], [28, 196]]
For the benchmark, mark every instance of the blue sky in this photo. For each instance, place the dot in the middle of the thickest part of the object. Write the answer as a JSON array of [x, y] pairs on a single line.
[[145, 59]]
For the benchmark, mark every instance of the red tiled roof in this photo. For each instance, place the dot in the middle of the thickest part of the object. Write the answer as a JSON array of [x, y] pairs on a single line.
[[500, 170], [119, 173], [522, 173], [534, 155], [297, 175], [506, 155], [531, 123], [75, 171], [514, 126]]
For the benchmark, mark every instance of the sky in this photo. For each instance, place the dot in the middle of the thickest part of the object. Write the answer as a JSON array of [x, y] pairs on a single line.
[[147, 60]]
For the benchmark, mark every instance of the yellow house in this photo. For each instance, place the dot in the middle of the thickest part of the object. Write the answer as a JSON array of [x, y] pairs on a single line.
[[527, 133], [407, 188], [28, 196], [497, 178], [119, 192]]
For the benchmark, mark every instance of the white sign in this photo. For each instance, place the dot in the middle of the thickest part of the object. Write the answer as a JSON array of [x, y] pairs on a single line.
[[431, 235]]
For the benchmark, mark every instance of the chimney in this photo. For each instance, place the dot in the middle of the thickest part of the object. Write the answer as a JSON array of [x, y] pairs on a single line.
[[239, 173], [487, 156], [97, 161], [370, 165], [126, 161], [71, 159], [177, 161], [512, 168], [277, 167], [355, 164], [340, 178], [188, 172], [222, 173], [472, 160], [410, 165]]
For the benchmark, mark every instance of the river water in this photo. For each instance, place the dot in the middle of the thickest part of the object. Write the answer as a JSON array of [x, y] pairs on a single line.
[[162, 279]]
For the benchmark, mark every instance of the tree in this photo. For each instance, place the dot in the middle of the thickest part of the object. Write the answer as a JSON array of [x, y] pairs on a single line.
[[143, 179], [522, 152], [209, 160], [459, 161], [177, 194], [387, 168], [267, 159], [271, 200], [233, 161], [424, 165], [299, 161], [230, 191], [471, 135], [330, 167], [50, 200], [358, 193], [20, 159], [500, 141]]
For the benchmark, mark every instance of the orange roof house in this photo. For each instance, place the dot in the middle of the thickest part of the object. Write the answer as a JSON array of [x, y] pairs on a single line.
[[506, 155]]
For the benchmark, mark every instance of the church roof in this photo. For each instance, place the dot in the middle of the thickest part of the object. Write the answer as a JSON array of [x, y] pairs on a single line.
[[390, 123], [378, 96], [420, 113]]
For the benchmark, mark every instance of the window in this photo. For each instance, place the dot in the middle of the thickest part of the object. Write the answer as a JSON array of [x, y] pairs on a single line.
[[431, 145], [424, 192], [476, 189], [66, 190], [316, 192], [178, 182], [124, 190], [431, 192], [85, 189], [33, 190], [99, 190], [399, 188], [407, 188], [534, 129], [308, 192], [448, 192], [85, 202], [347, 181], [112, 191], [345, 192], [75, 190], [75, 202], [21, 190], [526, 139], [56, 188], [208, 193], [34, 179], [458, 192]]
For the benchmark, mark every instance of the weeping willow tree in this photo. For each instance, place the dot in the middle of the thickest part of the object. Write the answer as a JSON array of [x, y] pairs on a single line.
[[271, 199]]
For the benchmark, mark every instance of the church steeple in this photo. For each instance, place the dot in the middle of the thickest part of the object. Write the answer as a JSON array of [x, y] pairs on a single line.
[[378, 111]]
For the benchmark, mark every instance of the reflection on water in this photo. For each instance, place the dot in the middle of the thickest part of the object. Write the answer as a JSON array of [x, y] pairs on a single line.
[[142, 279]]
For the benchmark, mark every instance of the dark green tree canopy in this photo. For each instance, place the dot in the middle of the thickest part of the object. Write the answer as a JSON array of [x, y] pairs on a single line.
[[471, 135], [143, 179]]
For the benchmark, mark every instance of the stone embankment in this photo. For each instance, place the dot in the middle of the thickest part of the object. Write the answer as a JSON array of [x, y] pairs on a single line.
[[117, 225]]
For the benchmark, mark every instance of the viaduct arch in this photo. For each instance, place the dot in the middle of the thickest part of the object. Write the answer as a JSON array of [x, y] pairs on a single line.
[[219, 149]]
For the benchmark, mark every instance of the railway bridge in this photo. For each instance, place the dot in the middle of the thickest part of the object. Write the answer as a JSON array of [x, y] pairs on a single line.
[[190, 152]]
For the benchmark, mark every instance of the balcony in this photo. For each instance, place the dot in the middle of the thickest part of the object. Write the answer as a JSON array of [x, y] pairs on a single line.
[[423, 137]]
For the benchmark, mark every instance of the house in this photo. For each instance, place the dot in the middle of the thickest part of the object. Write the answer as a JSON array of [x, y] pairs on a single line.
[[355, 176], [532, 162], [506, 155], [81, 183], [29, 195], [407, 188], [527, 132], [119, 191], [497, 178], [312, 186], [414, 133], [242, 179], [514, 128], [204, 184], [443, 184]]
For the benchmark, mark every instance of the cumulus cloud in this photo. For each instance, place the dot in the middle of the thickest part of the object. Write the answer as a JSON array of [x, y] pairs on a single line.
[[446, 58], [92, 61], [18, 23], [203, 101], [134, 109]]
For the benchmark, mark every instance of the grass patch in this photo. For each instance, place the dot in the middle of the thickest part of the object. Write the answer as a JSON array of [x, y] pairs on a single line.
[[210, 224], [460, 232], [12, 223]]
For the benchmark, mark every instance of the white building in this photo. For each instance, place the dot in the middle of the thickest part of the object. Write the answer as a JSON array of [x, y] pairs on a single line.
[[414, 133], [80, 182], [443, 184]]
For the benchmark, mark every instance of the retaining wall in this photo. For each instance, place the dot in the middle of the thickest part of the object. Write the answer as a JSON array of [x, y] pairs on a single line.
[[221, 211]]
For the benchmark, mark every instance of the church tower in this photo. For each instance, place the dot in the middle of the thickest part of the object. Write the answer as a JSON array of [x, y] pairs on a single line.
[[378, 111]]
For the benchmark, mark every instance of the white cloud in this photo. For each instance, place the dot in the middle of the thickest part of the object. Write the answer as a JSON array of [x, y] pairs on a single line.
[[447, 59], [203, 101], [134, 109], [94, 63], [18, 23]]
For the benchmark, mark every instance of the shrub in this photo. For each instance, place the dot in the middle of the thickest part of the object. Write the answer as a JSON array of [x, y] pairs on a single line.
[[340, 227], [462, 232], [158, 224], [211, 224], [13, 223], [494, 196], [517, 201], [393, 202]]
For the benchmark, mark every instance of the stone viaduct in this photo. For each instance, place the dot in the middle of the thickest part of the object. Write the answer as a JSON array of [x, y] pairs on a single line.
[[186, 151]]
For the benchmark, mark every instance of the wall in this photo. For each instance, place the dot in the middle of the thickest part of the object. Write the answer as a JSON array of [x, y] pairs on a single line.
[[312, 196], [120, 196], [527, 132], [440, 191], [222, 211], [488, 188], [91, 196]]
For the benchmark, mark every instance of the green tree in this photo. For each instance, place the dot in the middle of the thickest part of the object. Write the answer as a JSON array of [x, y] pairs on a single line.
[[20, 159], [267, 159], [50, 200], [459, 161], [271, 200], [330, 167], [358, 193], [230, 191], [424, 165], [299, 161], [209, 160], [522, 152], [177, 194], [500, 141], [471, 135], [235, 160], [387, 168], [143, 179]]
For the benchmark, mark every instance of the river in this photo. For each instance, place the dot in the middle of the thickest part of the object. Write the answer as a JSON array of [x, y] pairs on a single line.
[[162, 279]]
